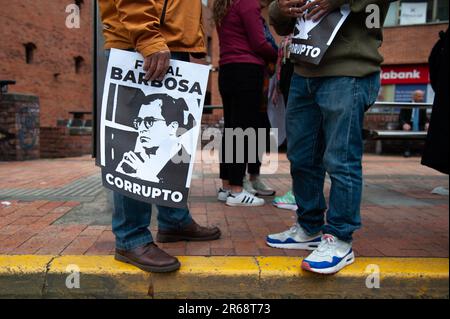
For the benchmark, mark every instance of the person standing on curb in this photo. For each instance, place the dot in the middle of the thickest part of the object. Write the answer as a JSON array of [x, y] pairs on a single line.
[[159, 30], [244, 53], [325, 116]]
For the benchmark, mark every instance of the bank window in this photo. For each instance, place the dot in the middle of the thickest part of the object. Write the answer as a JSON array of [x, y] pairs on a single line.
[[409, 12]]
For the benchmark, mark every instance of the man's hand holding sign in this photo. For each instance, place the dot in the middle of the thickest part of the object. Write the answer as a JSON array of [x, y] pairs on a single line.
[[150, 116], [317, 23], [156, 65], [312, 10], [336, 79]]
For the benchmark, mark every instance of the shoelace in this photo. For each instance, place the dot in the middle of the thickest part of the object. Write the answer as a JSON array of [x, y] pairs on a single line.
[[294, 228], [326, 244]]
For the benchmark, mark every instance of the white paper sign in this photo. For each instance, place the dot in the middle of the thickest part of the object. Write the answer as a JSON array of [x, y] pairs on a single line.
[[413, 13], [311, 39], [149, 130]]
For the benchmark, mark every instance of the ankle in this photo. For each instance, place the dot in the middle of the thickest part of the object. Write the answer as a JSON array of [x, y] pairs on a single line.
[[236, 189]]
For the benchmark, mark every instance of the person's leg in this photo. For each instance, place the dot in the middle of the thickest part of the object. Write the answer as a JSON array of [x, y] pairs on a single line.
[[226, 96], [342, 102], [134, 242], [244, 83], [305, 150], [245, 115], [245, 86], [254, 169], [173, 218], [176, 224], [130, 222]]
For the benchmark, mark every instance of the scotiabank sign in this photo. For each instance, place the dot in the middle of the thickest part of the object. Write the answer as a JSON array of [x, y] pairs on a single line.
[[405, 74]]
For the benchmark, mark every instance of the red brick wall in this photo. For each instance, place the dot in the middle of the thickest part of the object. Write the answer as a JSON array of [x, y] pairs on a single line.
[[60, 142], [410, 44], [19, 127], [43, 23]]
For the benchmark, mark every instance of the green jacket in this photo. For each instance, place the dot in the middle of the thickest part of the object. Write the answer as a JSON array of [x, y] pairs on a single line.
[[354, 51]]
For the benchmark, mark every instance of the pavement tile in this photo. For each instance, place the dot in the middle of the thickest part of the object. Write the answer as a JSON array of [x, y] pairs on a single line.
[[390, 229]]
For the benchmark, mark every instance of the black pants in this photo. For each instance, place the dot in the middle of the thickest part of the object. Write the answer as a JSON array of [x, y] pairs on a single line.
[[241, 88]]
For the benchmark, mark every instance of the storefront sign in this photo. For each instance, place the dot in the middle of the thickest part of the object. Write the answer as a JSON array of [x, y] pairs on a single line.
[[408, 74]]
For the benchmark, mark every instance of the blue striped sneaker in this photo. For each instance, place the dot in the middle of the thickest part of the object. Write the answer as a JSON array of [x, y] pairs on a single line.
[[331, 256], [294, 238]]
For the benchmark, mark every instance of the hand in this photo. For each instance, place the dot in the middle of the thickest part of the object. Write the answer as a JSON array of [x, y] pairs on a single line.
[[275, 98], [133, 161], [317, 9], [156, 65], [406, 127], [427, 126], [291, 8]]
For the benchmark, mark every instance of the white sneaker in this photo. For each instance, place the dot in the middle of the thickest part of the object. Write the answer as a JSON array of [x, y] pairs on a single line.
[[222, 195], [261, 188], [294, 238], [247, 185], [244, 198], [331, 256]]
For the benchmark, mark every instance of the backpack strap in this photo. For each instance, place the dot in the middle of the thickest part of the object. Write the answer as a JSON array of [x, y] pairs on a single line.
[[163, 14]]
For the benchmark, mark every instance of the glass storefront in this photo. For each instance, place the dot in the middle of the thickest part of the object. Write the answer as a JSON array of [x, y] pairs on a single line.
[[410, 12]]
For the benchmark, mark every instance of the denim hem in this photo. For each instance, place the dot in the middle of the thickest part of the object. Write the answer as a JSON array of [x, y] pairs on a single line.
[[132, 244], [307, 228], [329, 231]]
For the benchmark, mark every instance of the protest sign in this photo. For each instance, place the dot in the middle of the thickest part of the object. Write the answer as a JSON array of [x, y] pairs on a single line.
[[312, 39], [149, 129]]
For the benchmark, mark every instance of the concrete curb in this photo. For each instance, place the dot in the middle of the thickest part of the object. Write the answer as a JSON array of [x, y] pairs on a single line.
[[220, 277]]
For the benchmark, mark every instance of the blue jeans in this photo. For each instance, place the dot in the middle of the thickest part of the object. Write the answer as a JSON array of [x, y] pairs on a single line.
[[131, 221], [324, 127], [131, 218]]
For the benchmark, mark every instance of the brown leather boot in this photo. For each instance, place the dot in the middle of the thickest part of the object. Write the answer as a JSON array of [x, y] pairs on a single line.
[[192, 232], [148, 258]]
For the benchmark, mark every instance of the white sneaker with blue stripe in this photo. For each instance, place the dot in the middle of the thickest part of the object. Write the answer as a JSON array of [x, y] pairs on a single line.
[[330, 257], [294, 238]]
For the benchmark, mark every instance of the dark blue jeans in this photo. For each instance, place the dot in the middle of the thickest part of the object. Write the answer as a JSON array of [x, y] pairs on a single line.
[[131, 218], [324, 128]]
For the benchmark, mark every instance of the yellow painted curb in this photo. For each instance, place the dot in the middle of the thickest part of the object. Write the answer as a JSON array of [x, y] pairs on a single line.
[[23, 276], [220, 277]]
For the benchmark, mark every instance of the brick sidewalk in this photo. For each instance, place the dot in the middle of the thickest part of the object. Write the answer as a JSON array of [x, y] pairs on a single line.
[[400, 216]]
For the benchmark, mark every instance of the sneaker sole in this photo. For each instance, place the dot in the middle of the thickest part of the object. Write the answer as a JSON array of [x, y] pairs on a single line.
[[244, 205], [155, 269], [302, 246], [350, 259], [286, 206]]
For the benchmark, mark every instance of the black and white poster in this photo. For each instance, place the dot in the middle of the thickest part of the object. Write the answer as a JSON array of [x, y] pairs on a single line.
[[312, 39], [149, 129]]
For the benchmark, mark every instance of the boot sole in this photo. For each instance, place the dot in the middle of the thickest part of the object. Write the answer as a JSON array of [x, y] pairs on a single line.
[[174, 238], [155, 269]]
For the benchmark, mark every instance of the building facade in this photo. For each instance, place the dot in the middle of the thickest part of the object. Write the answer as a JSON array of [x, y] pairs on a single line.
[[48, 57], [411, 30], [48, 54]]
